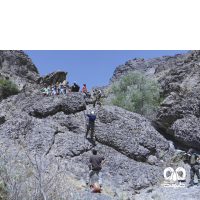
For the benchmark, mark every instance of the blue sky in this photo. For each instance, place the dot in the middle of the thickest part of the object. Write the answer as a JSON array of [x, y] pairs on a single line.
[[93, 67]]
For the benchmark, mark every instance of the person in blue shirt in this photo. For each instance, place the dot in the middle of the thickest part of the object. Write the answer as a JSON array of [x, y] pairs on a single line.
[[90, 125]]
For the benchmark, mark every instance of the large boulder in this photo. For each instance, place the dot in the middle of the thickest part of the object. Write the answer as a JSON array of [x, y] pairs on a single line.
[[52, 78], [39, 106], [129, 133]]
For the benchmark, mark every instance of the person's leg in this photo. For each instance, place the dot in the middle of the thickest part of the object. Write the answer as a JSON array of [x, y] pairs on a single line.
[[92, 131], [94, 102], [88, 128], [196, 167], [191, 177], [98, 101], [90, 174], [100, 177]]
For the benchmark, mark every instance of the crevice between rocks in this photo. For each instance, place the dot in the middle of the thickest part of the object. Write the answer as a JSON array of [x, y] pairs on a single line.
[[168, 137], [133, 157], [53, 141]]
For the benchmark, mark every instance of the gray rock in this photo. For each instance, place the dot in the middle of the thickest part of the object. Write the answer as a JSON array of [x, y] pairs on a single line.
[[18, 67], [52, 78], [156, 65], [94, 196], [53, 128]]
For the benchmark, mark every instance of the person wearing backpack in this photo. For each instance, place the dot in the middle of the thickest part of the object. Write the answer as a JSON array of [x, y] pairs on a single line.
[[90, 125], [194, 167], [95, 166], [97, 96]]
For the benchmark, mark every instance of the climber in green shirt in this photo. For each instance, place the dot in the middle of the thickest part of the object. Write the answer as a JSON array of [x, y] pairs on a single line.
[[194, 167]]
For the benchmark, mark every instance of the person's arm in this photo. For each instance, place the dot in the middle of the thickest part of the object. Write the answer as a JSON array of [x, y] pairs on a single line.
[[90, 163], [103, 161], [198, 159], [90, 166]]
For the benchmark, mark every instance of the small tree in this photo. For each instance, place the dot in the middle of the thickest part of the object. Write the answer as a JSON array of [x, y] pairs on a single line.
[[137, 93], [7, 88]]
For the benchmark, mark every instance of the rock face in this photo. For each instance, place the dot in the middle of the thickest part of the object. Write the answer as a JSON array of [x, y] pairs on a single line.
[[53, 128], [18, 67], [104, 91], [179, 77], [156, 65], [53, 77]]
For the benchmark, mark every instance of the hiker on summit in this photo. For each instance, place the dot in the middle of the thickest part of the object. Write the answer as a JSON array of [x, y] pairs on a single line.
[[75, 87], [62, 89], [97, 96], [90, 125], [46, 91], [194, 167], [95, 166], [84, 89]]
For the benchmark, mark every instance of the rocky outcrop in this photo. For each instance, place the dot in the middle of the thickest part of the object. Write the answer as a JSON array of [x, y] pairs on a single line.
[[104, 90], [52, 78], [18, 67], [179, 77], [154, 66], [55, 127], [36, 105]]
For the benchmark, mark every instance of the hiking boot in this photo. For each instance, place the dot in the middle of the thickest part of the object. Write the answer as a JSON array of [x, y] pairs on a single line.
[[190, 184]]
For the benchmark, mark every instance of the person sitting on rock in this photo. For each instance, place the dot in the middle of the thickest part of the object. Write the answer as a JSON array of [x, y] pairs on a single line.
[[46, 91], [95, 166], [194, 167], [65, 90], [61, 89], [84, 89], [97, 96], [90, 125], [53, 90], [75, 87]]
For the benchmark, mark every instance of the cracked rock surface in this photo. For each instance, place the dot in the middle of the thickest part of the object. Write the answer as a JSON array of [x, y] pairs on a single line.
[[54, 127]]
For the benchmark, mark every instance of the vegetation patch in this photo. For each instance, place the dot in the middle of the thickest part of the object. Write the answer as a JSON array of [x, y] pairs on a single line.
[[137, 93], [8, 88]]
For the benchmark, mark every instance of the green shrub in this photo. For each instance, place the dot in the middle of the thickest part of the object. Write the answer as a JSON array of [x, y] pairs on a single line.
[[8, 88], [137, 93]]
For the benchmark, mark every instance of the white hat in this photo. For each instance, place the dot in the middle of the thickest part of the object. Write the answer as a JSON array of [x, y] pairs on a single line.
[[92, 112]]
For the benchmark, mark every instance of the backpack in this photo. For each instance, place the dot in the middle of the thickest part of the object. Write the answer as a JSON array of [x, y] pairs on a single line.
[[95, 188], [78, 87]]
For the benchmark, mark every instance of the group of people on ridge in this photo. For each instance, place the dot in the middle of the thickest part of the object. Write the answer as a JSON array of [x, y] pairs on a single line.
[[62, 89]]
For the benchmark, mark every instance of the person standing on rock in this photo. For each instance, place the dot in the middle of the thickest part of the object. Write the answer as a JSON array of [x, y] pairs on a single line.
[[90, 125], [194, 168], [97, 96], [75, 87], [95, 166]]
